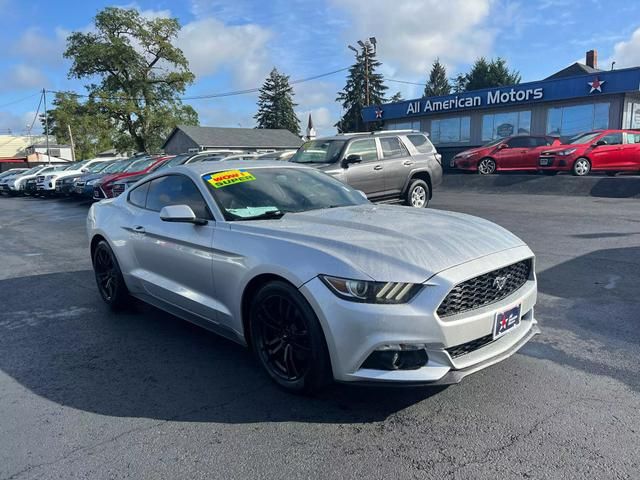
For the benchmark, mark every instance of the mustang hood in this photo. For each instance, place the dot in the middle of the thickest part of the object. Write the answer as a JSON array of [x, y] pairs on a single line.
[[389, 243]]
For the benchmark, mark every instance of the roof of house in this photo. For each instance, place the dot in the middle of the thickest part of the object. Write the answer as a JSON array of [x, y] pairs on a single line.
[[238, 137], [51, 145], [572, 70]]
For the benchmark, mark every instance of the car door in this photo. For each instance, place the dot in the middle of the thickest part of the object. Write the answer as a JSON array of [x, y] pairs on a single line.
[[174, 260], [368, 174], [607, 152], [396, 162], [631, 151], [514, 156]]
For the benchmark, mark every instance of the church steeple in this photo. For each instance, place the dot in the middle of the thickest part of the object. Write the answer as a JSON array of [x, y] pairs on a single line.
[[311, 132]]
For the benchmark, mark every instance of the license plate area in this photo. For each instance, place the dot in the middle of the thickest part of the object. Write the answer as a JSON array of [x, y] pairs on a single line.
[[545, 161], [506, 320]]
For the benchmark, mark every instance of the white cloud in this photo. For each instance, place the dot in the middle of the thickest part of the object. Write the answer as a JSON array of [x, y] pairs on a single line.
[[412, 33], [17, 123], [34, 45], [211, 46], [323, 120], [627, 53], [22, 77]]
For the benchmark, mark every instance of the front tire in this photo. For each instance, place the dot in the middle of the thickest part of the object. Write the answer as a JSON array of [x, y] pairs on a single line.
[[487, 166], [418, 194], [287, 339], [109, 278], [581, 167]]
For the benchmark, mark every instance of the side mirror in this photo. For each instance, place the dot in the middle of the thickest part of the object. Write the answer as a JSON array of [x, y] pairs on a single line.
[[180, 214], [353, 158], [84, 170], [502, 146], [599, 143]]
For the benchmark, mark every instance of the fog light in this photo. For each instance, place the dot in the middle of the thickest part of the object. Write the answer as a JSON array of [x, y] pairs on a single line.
[[397, 359]]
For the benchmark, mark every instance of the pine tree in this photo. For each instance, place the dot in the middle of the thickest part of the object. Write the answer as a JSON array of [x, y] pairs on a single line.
[[275, 104], [486, 74], [396, 97], [354, 94], [438, 83]]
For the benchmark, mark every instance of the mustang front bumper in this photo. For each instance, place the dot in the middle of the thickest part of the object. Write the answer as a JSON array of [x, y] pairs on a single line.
[[354, 331]]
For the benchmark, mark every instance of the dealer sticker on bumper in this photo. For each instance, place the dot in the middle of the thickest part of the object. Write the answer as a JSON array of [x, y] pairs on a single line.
[[506, 320]]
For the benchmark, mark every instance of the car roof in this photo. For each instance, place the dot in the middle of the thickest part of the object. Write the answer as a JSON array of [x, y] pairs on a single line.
[[211, 167]]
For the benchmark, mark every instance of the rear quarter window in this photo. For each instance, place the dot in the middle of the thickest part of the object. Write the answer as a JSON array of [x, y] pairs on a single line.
[[138, 195], [421, 143]]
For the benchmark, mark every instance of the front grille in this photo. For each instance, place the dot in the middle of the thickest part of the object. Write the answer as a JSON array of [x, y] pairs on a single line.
[[469, 347], [483, 290], [79, 184], [117, 189]]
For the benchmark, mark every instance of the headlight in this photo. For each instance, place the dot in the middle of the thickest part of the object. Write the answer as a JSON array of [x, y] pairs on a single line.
[[371, 292], [564, 153]]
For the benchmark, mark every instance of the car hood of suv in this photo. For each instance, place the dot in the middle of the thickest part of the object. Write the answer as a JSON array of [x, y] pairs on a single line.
[[389, 243]]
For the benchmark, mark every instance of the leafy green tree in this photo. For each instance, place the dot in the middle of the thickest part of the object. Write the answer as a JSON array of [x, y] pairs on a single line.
[[92, 130], [275, 104], [353, 96], [487, 74], [136, 75], [396, 97], [438, 83]]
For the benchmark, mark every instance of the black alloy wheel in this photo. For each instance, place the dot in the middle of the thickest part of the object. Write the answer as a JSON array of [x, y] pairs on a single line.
[[109, 277], [288, 340]]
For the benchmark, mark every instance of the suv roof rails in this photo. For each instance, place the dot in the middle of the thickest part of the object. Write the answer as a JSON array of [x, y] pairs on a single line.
[[382, 132]]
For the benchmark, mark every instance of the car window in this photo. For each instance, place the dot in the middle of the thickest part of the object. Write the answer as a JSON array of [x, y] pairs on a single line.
[[633, 137], [520, 142], [421, 143], [612, 138], [138, 195], [176, 190], [365, 148], [392, 148]]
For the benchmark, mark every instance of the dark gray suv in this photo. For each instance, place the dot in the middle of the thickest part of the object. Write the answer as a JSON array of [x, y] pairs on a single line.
[[385, 165]]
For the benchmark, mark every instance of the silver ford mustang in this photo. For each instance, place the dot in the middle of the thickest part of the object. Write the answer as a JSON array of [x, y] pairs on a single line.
[[317, 281]]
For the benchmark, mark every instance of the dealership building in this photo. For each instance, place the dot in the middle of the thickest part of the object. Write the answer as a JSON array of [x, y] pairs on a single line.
[[576, 99]]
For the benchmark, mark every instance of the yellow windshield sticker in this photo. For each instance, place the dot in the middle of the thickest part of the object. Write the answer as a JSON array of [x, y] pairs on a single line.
[[229, 177]]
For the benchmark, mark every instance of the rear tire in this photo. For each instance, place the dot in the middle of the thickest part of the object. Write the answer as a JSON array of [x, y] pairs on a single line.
[[109, 278], [487, 166], [417, 194], [287, 339], [581, 167]]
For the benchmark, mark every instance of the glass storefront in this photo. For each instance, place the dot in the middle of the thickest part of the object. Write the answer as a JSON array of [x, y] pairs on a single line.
[[632, 115], [451, 130], [567, 121], [500, 125], [398, 125]]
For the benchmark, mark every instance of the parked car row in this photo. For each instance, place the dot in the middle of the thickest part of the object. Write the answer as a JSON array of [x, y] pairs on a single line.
[[609, 151], [108, 177]]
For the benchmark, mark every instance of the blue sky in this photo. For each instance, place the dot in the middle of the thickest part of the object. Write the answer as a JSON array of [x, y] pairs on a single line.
[[233, 44]]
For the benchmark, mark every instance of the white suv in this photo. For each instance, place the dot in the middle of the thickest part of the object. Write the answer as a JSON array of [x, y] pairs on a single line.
[[47, 183]]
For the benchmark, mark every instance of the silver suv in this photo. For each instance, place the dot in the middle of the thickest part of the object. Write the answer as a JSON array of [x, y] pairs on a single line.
[[385, 165]]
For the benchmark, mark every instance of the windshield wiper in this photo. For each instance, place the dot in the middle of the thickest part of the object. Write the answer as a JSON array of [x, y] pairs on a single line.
[[271, 214]]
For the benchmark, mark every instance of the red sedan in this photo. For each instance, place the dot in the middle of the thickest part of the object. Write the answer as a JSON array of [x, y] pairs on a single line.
[[104, 187], [609, 151], [520, 152]]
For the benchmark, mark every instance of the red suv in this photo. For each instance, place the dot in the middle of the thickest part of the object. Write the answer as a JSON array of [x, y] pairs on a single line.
[[103, 188], [609, 151], [520, 152]]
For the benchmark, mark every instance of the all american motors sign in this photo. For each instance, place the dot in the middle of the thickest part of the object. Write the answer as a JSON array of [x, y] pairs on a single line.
[[495, 97]]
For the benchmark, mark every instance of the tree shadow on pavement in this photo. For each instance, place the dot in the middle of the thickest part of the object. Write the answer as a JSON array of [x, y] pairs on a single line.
[[65, 345]]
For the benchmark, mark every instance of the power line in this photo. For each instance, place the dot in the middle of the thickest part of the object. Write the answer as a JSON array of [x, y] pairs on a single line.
[[212, 95], [36, 115], [20, 100], [404, 81]]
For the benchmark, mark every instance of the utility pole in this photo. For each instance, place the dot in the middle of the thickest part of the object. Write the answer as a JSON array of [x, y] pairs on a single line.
[[46, 125], [368, 47], [73, 145]]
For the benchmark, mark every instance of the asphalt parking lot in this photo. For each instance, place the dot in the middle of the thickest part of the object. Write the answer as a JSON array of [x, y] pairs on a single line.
[[85, 393]]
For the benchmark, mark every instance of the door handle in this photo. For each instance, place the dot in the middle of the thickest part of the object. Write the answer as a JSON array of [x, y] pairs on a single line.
[[139, 229], [378, 167], [407, 162]]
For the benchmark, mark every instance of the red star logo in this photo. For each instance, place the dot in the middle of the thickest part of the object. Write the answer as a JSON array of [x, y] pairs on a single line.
[[596, 85], [379, 113], [503, 323]]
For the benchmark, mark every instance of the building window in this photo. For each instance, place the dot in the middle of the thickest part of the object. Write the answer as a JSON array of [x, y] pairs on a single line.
[[568, 121], [411, 125], [632, 115], [451, 130], [500, 125], [54, 152]]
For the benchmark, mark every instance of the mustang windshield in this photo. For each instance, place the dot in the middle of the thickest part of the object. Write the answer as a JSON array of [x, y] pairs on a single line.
[[267, 193], [319, 151]]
